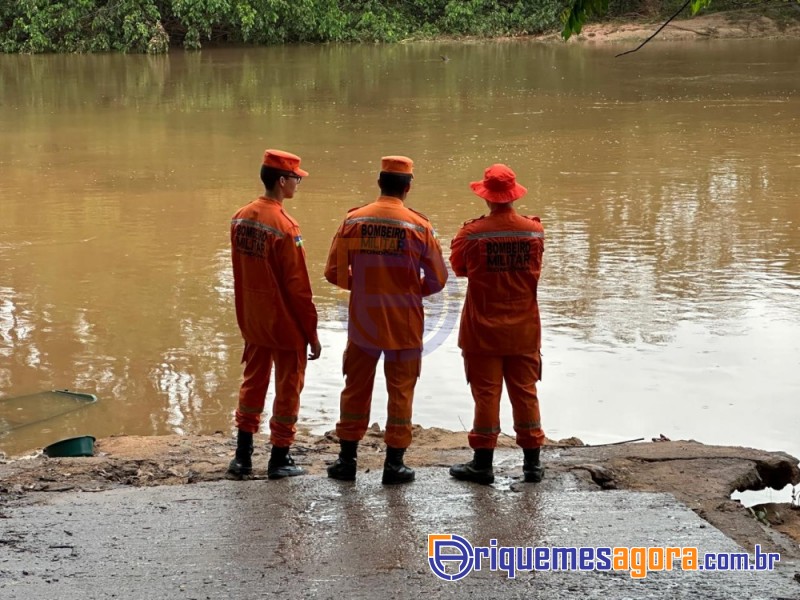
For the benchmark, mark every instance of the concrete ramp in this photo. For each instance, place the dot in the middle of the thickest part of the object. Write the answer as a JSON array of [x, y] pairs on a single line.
[[311, 537]]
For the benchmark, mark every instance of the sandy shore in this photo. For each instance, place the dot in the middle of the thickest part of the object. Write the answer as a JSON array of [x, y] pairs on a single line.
[[771, 22]]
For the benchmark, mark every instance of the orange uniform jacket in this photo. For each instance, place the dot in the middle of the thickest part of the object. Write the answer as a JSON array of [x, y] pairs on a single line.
[[377, 254], [501, 255], [274, 305]]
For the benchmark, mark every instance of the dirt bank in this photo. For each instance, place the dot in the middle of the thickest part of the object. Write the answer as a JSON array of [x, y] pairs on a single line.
[[770, 22], [700, 476]]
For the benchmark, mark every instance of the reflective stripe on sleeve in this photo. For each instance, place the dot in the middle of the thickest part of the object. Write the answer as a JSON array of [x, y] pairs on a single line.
[[257, 225], [518, 234]]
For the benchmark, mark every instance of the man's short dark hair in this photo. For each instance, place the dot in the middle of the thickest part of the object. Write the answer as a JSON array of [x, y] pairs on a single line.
[[270, 176], [393, 184]]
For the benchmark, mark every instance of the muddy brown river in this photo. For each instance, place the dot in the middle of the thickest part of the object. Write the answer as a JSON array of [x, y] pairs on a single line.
[[667, 182]]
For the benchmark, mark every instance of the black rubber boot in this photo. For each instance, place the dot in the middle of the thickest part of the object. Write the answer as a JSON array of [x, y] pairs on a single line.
[[344, 469], [242, 463], [281, 464], [394, 471], [531, 467], [478, 470]]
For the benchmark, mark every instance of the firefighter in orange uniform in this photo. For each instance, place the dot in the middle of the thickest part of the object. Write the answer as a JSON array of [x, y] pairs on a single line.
[[275, 312], [377, 254], [500, 335]]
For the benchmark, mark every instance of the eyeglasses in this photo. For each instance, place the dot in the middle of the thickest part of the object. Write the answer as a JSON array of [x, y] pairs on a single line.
[[297, 178]]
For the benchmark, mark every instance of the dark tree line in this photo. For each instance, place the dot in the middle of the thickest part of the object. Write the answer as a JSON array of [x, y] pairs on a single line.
[[154, 26]]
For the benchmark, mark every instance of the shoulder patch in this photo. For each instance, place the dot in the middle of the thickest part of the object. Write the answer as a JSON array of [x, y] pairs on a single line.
[[349, 210], [416, 212], [532, 218], [468, 221]]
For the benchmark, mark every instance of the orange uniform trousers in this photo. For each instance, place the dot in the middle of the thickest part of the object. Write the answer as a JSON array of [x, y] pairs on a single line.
[[485, 374], [402, 368], [290, 371]]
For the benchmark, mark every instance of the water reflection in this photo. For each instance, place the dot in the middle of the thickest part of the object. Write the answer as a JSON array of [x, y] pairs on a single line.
[[666, 184]]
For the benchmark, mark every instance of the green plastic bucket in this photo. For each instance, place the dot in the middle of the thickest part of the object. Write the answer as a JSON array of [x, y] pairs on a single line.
[[77, 446]]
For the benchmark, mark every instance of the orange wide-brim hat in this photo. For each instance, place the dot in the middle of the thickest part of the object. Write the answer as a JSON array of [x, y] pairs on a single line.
[[285, 161], [499, 185]]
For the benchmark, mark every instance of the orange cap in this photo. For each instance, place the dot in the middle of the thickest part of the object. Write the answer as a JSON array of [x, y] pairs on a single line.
[[397, 164], [499, 185], [285, 161]]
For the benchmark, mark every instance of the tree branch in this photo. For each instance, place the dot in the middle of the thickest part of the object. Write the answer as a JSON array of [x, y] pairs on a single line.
[[680, 10]]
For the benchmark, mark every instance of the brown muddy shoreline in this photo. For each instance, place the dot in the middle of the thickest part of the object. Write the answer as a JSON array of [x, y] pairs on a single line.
[[776, 22]]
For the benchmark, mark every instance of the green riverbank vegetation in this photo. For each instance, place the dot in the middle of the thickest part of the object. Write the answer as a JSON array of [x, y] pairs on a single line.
[[155, 26]]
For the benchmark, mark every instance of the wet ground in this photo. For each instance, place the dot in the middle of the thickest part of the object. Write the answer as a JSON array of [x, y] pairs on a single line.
[[155, 517], [313, 537], [700, 476]]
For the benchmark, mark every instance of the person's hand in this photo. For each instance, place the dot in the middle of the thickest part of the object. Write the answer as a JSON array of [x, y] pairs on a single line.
[[316, 350]]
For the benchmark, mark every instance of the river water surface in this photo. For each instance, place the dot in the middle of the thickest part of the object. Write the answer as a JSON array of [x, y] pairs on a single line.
[[667, 182]]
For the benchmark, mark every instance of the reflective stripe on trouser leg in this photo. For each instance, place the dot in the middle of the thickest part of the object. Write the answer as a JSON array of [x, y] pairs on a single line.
[[485, 376], [290, 373], [521, 374], [356, 399], [401, 368], [257, 369]]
